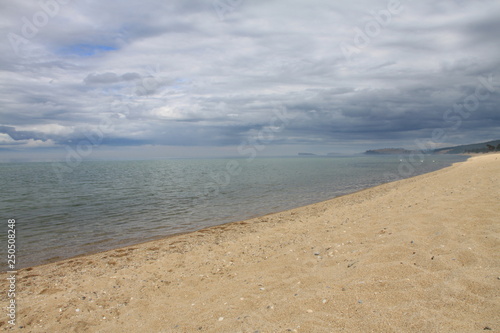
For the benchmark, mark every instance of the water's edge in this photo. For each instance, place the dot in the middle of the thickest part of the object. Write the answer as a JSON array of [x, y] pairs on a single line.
[[191, 225]]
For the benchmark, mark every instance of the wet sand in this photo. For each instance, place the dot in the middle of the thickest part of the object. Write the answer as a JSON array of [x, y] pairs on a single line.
[[417, 255]]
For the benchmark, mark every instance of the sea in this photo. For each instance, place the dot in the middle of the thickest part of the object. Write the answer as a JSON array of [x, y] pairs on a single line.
[[63, 210]]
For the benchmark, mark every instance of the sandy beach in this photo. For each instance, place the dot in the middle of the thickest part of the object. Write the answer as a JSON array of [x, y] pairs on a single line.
[[416, 255]]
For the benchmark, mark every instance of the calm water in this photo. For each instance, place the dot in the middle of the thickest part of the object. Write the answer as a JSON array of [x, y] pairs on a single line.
[[103, 205]]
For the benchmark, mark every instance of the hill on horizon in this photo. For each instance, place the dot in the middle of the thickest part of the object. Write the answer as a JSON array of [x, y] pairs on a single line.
[[481, 147], [470, 148]]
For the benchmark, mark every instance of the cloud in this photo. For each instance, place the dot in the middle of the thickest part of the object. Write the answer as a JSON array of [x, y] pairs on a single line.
[[5, 139], [109, 78], [7, 142], [178, 73]]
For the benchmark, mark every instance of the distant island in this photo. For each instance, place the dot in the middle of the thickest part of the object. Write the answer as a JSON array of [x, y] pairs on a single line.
[[483, 147], [311, 154]]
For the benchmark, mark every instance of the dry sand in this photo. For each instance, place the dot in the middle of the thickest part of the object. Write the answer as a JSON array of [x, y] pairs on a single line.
[[417, 255]]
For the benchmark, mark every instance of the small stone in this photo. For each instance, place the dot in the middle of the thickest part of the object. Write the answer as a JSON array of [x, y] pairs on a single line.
[[309, 311], [77, 310], [316, 253], [221, 318], [487, 328], [360, 301], [324, 301]]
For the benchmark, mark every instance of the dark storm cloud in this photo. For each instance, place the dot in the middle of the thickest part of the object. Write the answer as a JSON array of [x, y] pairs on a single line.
[[21, 135]]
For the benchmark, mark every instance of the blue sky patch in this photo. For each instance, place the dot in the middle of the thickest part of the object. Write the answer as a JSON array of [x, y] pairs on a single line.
[[86, 50]]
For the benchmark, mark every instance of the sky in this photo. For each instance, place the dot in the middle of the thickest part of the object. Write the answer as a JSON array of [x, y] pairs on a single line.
[[158, 79]]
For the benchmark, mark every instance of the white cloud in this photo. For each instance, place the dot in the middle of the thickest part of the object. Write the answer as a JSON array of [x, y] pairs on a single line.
[[49, 129], [38, 143], [6, 139], [7, 142]]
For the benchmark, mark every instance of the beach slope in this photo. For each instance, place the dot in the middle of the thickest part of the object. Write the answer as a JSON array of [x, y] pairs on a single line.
[[416, 255]]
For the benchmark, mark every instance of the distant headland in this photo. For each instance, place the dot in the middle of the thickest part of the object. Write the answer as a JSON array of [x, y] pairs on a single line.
[[483, 147]]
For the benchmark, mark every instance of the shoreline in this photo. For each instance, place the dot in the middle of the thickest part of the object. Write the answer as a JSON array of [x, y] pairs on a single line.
[[417, 254], [131, 243]]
